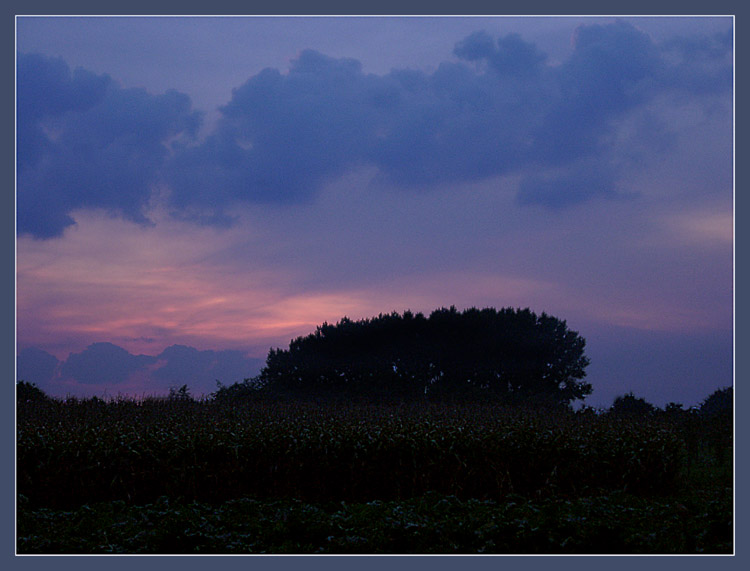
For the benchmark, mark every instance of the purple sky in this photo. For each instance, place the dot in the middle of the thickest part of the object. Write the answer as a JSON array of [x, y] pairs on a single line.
[[194, 191]]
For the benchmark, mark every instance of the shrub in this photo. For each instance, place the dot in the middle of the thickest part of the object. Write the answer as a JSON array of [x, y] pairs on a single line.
[[631, 406], [29, 392]]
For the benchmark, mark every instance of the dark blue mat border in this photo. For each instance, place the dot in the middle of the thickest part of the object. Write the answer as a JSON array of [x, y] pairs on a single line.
[[390, 7]]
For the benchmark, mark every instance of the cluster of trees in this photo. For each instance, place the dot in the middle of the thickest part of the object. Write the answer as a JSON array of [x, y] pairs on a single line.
[[29, 392], [508, 354], [718, 405]]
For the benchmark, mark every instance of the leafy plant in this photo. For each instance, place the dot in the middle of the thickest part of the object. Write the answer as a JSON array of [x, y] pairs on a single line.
[[29, 392], [180, 394], [631, 406]]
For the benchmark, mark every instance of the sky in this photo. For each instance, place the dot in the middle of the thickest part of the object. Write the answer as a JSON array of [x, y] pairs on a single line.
[[192, 192]]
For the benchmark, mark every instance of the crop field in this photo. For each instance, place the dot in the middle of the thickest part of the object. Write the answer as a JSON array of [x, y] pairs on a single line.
[[186, 476]]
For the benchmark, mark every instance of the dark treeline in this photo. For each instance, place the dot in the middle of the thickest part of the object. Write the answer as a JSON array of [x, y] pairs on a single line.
[[508, 355], [717, 405]]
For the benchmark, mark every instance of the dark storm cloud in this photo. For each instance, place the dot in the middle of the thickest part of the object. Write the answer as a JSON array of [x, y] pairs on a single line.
[[47, 90], [85, 142], [503, 108], [281, 136], [500, 108], [612, 69]]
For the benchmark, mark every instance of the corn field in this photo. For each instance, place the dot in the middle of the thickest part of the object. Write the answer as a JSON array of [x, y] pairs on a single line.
[[91, 452]]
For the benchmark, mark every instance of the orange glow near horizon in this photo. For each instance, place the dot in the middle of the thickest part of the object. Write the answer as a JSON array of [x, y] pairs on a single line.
[[146, 288]]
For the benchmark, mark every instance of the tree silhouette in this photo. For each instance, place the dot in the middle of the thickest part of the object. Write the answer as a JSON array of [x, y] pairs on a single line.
[[716, 414], [720, 402], [509, 354], [29, 392], [181, 394], [631, 406]]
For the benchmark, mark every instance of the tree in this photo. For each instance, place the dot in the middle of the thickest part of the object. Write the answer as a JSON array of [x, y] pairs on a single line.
[[674, 412], [181, 394], [509, 354], [716, 415], [245, 390], [631, 406], [29, 392], [720, 402]]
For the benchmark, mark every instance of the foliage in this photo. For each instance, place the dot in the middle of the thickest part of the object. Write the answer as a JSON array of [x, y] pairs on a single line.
[[674, 409], [511, 355], [29, 392], [630, 405], [212, 476], [717, 424], [70, 453], [720, 402], [431, 524], [248, 389], [181, 394]]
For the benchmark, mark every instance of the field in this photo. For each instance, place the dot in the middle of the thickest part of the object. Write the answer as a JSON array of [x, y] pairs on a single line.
[[183, 476]]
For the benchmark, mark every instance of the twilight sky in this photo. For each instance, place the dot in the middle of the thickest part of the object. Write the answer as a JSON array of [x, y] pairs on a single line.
[[194, 191]]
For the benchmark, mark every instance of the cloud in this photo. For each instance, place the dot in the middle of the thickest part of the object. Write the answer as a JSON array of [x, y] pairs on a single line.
[[501, 107], [577, 183], [35, 366], [105, 366], [700, 64], [281, 137], [512, 56], [83, 141], [188, 365], [612, 69], [103, 363], [47, 90]]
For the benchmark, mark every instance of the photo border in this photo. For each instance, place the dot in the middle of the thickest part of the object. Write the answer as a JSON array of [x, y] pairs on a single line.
[[333, 7]]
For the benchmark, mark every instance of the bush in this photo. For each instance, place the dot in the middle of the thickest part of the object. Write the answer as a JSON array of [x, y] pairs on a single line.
[[246, 390], [29, 392], [181, 394], [631, 406], [719, 402]]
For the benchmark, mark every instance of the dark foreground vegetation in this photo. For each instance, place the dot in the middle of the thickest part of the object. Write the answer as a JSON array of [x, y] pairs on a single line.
[[404, 433], [267, 475]]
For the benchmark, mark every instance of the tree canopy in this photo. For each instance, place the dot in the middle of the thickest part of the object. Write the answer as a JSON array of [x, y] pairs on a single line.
[[29, 392], [510, 354], [631, 405], [720, 402]]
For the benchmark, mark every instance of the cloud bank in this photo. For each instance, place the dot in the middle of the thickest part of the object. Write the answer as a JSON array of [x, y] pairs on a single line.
[[496, 107], [105, 367]]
